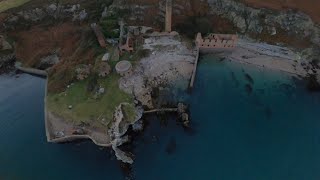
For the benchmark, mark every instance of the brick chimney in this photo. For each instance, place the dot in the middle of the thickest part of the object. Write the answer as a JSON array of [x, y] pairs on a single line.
[[168, 16]]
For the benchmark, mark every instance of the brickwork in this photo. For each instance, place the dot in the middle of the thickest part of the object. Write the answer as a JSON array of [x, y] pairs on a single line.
[[217, 41]]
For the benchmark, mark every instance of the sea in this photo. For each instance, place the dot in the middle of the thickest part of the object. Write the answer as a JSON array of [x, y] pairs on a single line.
[[247, 123]]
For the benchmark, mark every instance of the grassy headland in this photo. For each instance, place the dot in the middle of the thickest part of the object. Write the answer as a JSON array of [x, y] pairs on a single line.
[[90, 108]]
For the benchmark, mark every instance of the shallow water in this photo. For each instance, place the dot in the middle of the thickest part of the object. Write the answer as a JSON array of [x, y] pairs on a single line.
[[248, 124]]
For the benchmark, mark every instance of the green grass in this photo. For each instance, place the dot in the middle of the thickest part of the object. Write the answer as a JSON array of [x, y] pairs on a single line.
[[89, 108], [8, 4], [108, 26], [129, 112]]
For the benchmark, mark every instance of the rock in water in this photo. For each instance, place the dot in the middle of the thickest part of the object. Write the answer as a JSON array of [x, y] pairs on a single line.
[[234, 78], [249, 78], [171, 146], [185, 119], [268, 112], [312, 83], [248, 88], [138, 126], [181, 108], [122, 156]]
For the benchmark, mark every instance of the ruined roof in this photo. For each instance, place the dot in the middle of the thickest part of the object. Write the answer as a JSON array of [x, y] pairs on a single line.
[[123, 66]]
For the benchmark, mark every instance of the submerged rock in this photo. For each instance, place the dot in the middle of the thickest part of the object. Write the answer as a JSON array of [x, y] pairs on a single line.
[[287, 88], [249, 78], [185, 119], [313, 84], [261, 91], [234, 79], [268, 112], [138, 126], [182, 108], [171, 146], [127, 170], [122, 155], [248, 88]]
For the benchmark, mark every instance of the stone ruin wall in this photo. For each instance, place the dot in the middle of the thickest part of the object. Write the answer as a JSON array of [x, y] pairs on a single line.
[[217, 41]]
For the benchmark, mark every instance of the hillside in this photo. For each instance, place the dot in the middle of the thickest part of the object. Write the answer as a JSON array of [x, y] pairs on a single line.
[[310, 7]]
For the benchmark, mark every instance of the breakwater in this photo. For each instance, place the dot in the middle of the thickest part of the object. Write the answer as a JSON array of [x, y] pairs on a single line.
[[33, 71]]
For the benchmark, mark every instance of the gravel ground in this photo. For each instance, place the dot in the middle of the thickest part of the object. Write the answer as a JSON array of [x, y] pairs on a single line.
[[170, 62]]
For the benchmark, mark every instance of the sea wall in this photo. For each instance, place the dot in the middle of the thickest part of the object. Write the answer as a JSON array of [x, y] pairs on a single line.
[[33, 71]]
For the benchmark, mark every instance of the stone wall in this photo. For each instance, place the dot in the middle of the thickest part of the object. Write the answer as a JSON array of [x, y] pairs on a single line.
[[216, 41]]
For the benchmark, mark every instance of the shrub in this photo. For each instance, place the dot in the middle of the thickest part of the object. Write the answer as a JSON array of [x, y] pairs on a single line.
[[92, 82]]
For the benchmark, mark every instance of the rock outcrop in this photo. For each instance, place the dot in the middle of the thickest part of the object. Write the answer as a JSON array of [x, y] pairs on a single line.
[[118, 129], [51, 11], [48, 61], [7, 63], [252, 20]]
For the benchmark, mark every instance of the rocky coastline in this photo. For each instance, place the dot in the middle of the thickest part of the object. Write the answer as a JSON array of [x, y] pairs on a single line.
[[171, 59], [168, 68]]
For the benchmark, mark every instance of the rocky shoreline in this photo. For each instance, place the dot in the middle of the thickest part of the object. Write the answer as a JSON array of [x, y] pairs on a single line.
[[170, 60], [271, 57], [160, 69], [7, 63]]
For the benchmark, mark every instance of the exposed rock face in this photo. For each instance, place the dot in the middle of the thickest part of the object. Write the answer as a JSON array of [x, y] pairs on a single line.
[[49, 61], [248, 19], [119, 128], [4, 45], [7, 63], [55, 11]]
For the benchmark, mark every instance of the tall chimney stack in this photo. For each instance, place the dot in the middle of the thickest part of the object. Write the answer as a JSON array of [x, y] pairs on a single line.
[[168, 16]]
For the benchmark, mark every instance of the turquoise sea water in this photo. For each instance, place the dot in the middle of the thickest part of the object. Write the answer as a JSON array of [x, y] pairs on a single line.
[[248, 124]]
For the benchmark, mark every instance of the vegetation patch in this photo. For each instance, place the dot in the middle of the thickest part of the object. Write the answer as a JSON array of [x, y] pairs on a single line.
[[129, 112], [83, 107], [110, 27], [8, 4]]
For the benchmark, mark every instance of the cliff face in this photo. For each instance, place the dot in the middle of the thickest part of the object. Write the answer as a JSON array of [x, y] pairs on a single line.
[[250, 20]]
